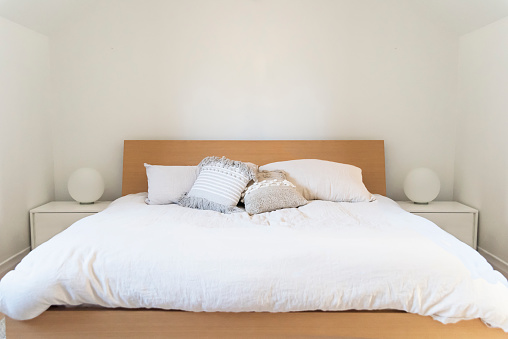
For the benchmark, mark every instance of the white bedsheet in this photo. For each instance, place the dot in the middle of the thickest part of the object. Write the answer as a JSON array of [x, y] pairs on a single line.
[[322, 256]]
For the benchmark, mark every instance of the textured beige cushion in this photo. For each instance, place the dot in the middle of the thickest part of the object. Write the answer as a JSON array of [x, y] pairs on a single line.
[[271, 192], [324, 180]]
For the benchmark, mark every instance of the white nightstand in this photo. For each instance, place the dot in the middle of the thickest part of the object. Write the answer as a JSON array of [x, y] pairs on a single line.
[[52, 218], [453, 217]]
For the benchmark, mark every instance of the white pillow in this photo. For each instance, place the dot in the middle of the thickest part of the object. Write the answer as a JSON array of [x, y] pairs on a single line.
[[166, 184], [324, 180]]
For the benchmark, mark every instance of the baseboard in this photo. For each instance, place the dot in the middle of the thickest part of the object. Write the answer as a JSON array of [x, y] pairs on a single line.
[[11, 262], [496, 262]]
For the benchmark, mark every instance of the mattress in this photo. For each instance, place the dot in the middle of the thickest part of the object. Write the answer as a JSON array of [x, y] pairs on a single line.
[[323, 256]]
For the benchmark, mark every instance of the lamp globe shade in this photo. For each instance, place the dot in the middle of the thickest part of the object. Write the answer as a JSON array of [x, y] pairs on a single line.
[[86, 185], [422, 185]]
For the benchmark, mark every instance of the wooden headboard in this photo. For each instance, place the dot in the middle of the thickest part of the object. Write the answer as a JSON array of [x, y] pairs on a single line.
[[367, 154]]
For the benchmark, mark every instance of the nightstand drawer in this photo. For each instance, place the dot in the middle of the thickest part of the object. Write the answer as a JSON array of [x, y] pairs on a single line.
[[461, 225], [50, 224], [52, 218]]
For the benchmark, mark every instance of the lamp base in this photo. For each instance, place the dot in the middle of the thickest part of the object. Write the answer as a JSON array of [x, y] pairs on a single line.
[[420, 203], [87, 203]]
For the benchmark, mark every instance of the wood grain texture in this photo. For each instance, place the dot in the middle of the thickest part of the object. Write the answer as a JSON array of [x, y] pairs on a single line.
[[366, 154], [74, 324]]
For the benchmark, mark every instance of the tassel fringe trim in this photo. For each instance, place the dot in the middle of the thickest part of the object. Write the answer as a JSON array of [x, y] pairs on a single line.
[[205, 204]]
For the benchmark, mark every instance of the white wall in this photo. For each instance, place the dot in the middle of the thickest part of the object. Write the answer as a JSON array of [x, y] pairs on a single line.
[[481, 173], [26, 155], [254, 69]]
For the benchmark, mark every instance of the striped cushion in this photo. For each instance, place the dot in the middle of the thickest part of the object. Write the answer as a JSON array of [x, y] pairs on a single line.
[[219, 185]]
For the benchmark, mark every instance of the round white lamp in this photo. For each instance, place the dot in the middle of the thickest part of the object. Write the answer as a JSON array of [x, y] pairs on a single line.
[[86, 185], [422, 185]]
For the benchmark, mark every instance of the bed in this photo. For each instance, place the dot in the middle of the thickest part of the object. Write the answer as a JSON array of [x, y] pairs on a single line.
[[233, 317]]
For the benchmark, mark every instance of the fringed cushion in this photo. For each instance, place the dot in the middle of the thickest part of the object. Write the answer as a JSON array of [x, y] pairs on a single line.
[[219, 185], [271, 192]]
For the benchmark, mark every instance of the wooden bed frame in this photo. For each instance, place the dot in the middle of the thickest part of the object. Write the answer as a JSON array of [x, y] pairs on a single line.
[[60, 322], [369, 155]]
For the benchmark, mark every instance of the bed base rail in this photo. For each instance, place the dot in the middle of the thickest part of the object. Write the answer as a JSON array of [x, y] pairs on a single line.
[[105, 323]]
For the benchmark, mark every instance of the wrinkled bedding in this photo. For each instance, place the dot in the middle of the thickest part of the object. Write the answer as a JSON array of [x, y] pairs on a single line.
[[322, 256]]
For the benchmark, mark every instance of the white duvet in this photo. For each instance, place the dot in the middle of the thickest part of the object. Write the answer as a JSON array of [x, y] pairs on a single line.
[[322, 256]]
